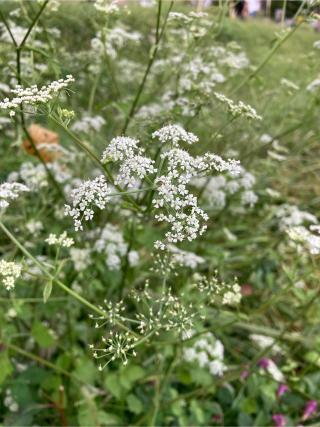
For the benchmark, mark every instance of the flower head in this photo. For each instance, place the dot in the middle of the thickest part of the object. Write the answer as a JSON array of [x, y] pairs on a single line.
[[89, 195], [310, 408], [9, 272]]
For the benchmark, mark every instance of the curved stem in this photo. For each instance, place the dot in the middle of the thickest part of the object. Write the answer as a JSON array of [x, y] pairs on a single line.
[[154, 51]]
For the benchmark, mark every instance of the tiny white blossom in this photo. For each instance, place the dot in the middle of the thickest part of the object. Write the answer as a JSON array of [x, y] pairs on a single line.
[[34, 95], [9, 272], [89, 195]]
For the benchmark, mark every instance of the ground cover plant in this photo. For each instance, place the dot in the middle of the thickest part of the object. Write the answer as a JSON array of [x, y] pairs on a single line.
[[159, 216]]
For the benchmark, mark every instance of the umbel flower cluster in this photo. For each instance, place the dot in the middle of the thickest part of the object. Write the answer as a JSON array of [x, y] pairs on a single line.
[[171, 199], [238, 110], [133, 165], [33, 95], [10, 191], [90, 194], [9, 272]]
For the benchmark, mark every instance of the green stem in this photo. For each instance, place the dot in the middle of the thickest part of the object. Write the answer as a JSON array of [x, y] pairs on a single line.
[[94, 157], [40, 360], [33, 23], [48, 274], [154, 51], [267, 58]]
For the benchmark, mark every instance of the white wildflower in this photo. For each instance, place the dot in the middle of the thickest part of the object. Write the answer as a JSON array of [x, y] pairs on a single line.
[[89, 195], [106, 6], [9, 272], [174, 134], [10, 191], [62, 240], [238, 110], [185, 258], [117, 346], [80, 258], [34, 95]]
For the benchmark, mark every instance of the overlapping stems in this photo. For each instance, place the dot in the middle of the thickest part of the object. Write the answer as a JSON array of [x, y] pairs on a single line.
[[98, 310], [19, 49]]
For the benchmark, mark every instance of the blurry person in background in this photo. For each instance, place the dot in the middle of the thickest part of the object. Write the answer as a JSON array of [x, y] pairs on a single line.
[[241, 8], [254, 7]]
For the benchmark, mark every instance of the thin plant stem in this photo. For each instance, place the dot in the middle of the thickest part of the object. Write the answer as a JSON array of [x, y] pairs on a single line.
[[40, 360], [154, 51], [18, 73], [276, 47], [95, 159]]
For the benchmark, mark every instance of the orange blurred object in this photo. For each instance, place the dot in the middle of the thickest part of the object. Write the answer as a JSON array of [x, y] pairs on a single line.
[[46, 141]]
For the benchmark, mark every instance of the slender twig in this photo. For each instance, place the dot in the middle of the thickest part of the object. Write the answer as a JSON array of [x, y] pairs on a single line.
[[95, 159], [19, 48], [277, 45], [152, 57], [8, 28], [40, 360]]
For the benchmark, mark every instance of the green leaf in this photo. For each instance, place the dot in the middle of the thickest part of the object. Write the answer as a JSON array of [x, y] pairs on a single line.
[[134, 404], [86, 370], [249, 406], [197, 412], [47, 291], [130, 375], [42, 335], [112, 384], [5, 366]]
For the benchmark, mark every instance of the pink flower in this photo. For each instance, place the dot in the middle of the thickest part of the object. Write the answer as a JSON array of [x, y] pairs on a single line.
[[264, 363], [279, 420], [309, 409], [282, 389]]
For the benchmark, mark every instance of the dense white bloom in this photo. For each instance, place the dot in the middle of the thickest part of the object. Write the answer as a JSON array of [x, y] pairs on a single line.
[[106, 6], [217, 189], [233, 296], [185, 258], [89, 195], [34, 95], [9, 272], [10, 191], [177, 205], [208, 352], [301, 234], [80, 258], [112, 243], [134, 166], [174, 134], [290, 216], [133, 170], [249, 198], [62, 240], [217, 367], [238, 110], [121, 148]]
